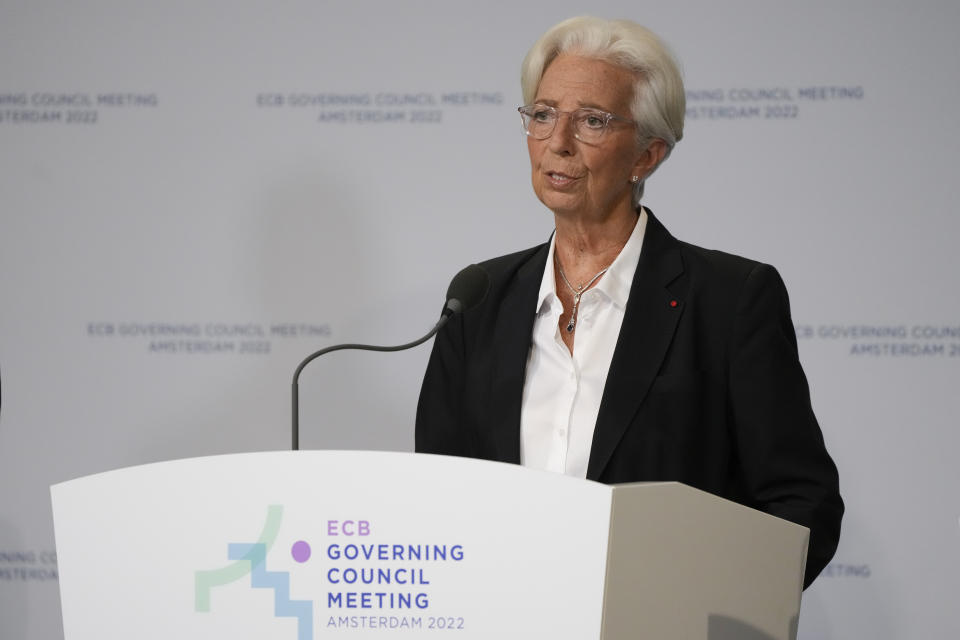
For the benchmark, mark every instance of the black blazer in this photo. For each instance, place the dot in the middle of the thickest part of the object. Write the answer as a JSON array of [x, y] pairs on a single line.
[[705, 386]]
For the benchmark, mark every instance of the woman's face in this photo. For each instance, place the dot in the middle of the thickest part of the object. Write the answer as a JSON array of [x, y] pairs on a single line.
[[587, 180]]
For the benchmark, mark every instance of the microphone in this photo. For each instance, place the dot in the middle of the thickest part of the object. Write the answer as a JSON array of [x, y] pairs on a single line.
[[467, 289]]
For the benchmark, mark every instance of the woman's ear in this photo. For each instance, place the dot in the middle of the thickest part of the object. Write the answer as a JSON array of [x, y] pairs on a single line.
[[652, 156]]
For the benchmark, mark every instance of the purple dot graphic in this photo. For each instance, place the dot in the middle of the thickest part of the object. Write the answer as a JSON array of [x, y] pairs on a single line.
[[300, 551]]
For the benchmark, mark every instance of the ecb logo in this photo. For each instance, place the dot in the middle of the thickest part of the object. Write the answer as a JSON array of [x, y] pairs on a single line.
[[250, 559]]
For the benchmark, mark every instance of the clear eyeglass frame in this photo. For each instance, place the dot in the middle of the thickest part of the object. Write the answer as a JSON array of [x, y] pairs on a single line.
[[589, 124]]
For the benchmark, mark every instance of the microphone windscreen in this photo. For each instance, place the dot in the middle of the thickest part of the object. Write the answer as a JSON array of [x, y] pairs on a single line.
[[467, 289]]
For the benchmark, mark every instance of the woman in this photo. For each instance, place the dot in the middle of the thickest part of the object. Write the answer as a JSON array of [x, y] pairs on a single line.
[[615, 352]]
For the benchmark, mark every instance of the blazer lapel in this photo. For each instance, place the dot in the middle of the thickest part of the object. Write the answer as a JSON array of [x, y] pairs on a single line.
[[649, 323], [514, 328]]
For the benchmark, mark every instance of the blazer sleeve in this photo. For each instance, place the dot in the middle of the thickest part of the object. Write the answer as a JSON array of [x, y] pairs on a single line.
[[439, 410], [785, 464]]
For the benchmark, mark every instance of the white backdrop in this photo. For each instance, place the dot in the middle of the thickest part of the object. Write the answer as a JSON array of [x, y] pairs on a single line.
[[195, 195]]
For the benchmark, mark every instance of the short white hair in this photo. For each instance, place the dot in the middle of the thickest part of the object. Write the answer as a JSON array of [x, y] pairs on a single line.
[[659, 101]]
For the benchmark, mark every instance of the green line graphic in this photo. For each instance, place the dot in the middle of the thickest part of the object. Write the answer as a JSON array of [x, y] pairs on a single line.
[[206, 580]]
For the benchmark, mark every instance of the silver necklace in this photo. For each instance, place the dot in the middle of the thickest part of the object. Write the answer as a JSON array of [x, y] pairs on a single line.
[[579, 291]]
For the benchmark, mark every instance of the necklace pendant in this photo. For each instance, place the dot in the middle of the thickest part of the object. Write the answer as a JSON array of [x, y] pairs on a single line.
[[570, 325]]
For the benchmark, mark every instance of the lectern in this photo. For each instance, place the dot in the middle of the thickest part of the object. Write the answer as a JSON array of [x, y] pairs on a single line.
[[322, 544]]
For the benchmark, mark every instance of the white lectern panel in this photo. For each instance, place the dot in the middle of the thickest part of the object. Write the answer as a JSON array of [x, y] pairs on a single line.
[[314, 544]]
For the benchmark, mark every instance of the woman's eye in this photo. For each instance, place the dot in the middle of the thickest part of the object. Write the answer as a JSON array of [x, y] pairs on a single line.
[[593, 121], [541, 116]]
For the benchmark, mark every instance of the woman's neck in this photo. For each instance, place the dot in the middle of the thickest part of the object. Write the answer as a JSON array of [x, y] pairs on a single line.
[[584, 247]]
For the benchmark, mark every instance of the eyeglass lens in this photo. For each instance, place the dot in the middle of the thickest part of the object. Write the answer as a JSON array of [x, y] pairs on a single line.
[[540, 121]]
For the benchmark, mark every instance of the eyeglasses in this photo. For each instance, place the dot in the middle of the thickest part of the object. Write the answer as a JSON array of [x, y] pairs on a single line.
[[589, 125]]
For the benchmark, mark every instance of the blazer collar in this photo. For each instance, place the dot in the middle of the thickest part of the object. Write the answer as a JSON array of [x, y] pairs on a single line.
[[649, 323], [514, 331]]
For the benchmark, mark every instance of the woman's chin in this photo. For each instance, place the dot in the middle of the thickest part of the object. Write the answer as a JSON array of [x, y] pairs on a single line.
[[563, 204]]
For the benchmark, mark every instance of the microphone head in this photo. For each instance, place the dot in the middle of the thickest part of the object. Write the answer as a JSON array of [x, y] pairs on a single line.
[[467, 289]]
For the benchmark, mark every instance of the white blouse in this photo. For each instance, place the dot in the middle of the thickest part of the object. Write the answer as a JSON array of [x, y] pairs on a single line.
[[562, 391]]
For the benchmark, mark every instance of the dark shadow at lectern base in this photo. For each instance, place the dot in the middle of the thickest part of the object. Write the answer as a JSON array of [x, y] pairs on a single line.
[[721, 627]]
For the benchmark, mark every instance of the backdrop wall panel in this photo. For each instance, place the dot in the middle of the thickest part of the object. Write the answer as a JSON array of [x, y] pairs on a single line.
[[196, 195]]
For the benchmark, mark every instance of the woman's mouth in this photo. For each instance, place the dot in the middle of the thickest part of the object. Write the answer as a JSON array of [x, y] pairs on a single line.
[[559, 179]]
